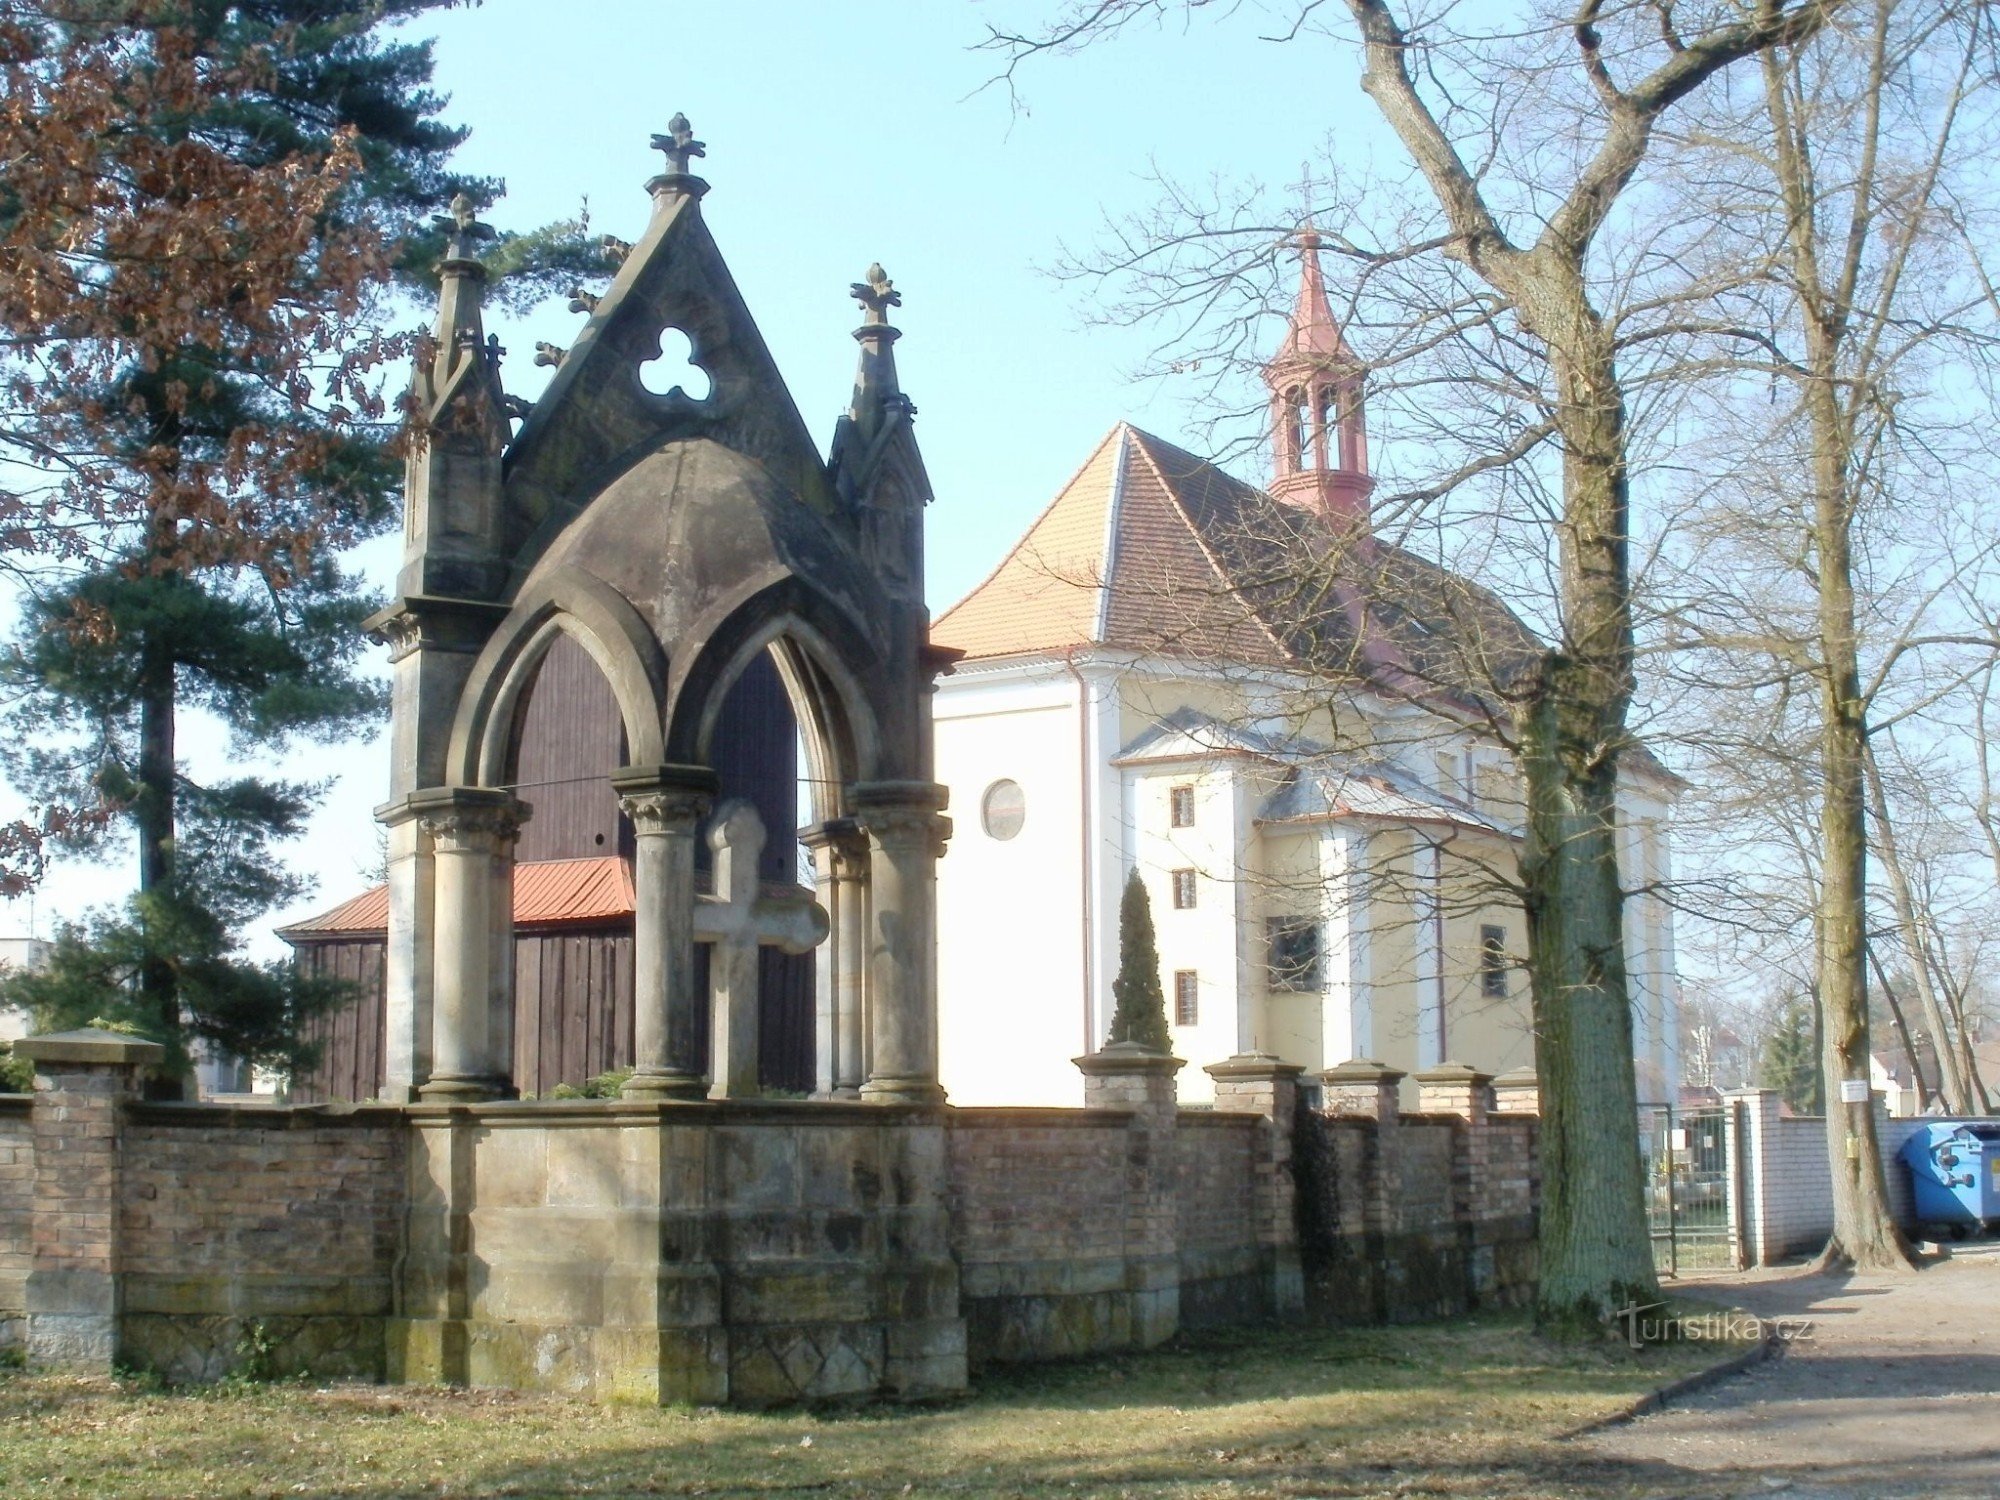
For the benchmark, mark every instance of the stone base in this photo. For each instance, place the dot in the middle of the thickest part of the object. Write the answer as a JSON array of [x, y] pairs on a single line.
[[73, 1343], [643, 1086], [443, 1089], [924, 1091]]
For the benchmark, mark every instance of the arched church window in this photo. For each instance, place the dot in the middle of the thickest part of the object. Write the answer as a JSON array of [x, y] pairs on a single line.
[[1003, 810], [1295, 430]]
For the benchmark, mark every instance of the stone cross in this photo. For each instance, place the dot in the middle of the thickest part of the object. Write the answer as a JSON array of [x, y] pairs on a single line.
[[736, 921], [463, 225], [876, 295], [679, 145]]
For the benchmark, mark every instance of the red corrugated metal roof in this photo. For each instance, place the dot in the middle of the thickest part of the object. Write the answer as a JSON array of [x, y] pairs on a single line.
[[546, 891]]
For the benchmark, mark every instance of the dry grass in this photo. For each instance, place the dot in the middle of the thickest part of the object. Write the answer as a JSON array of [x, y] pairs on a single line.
[[1471, 1408]]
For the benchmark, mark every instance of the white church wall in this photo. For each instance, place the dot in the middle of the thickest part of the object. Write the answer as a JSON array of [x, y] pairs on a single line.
[[1011, 1004], [1202, 940]]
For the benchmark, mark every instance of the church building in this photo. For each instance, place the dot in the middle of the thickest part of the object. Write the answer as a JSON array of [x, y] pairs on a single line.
[[1284, 722]]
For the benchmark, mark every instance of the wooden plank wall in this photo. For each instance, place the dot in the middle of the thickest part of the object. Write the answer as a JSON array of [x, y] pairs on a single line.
[[570, 741], [351, 1038], [572, 1013], [572, 1006]]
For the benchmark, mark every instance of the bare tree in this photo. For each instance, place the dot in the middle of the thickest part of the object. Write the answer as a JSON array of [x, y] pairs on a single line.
[[1833, 226], [1528, 241]]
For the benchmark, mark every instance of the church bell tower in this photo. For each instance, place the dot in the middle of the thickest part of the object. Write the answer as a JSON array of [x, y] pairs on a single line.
[[1319, 427]]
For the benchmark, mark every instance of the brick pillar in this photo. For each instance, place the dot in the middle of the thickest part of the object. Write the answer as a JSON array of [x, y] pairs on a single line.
[[1466, 1094], [1258, 1083], [1454, 1089], [1760, 1110], [1368, 1090], [1517, 1093], [83, 1080], [1130, 1077]]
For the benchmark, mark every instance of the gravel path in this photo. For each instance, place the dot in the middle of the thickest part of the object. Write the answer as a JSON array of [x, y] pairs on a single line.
[[1894, 1393]]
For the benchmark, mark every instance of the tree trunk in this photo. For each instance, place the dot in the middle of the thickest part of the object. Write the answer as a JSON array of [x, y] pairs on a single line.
[[153, 813], [1864, 1231], [1596, 1255]]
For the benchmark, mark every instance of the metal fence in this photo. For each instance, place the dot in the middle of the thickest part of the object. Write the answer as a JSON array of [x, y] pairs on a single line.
[[1690, 1191]]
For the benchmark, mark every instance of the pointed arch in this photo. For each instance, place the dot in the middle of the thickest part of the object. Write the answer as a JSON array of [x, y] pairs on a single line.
[[823, 660], [598, 618]]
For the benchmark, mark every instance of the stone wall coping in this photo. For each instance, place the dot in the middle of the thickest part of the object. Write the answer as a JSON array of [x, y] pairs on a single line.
[[104, 1048], [193, 1113], [1235, 1118], [1254, 1065], [1127, 1057], [529, 1113], [1518, 1078], [17, 1104], [1453, 1072], [999, 1116], [1361, 1070]]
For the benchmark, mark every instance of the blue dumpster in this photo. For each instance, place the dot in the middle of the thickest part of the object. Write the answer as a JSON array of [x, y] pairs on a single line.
[[1955, 1172]]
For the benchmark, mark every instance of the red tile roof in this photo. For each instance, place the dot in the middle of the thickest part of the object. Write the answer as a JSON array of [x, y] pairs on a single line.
[[546, 892], [1153, 550]]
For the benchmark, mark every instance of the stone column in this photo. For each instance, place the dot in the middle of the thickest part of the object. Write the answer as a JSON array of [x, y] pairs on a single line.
[[1128, 1076], [407, 981], [666, 805], [1517, 1093], [83, 1080], [472, 831], [432, 643], [906, 835], [1258, 1083], [840, 864]]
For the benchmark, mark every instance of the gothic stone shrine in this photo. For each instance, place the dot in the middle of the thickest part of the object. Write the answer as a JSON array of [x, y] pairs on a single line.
[[644, 632]]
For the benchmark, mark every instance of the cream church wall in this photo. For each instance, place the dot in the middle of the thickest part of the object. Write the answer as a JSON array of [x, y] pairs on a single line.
[[1010, 931]]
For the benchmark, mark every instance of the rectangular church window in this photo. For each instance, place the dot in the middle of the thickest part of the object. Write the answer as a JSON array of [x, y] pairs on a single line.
[[1180, 806], [1493, 962], [1187, 1002], [1294, 953], [1183, 890]]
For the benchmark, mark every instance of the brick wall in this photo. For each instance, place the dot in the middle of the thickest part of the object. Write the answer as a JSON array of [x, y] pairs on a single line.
[[277, 1227], [1224, 1270], [1786, 1184], [1216, 1166], [1038, 1226], [17, 1188], [1404, 1217]]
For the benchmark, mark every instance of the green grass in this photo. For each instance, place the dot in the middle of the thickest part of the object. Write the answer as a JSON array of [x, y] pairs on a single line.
[[1470, 1408]]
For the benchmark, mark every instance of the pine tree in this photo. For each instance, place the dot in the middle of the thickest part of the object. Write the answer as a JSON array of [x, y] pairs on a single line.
[[1140, 1014], [1789, 1062], [248, 180]]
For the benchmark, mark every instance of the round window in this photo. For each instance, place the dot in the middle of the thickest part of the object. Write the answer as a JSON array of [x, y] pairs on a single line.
[[1003, 810]]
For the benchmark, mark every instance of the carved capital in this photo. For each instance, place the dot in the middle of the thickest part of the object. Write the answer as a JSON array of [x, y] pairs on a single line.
[[402, 634], [898, 814], [842, 846], [470, 820], [665, 810], [664, 799]]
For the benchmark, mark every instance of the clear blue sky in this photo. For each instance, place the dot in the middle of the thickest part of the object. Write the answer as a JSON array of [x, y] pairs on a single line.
[[838, 134]]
